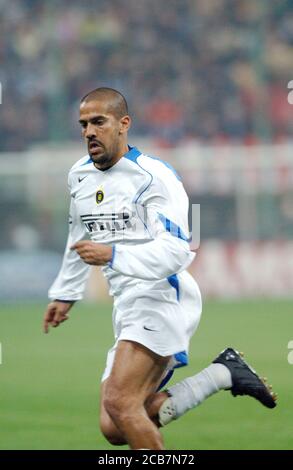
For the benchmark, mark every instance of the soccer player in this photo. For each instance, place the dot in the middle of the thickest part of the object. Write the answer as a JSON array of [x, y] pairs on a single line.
[[134, 209]]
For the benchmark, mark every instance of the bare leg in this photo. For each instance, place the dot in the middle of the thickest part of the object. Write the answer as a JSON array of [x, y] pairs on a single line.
[[222, 374], [110, 430], [134, 378]]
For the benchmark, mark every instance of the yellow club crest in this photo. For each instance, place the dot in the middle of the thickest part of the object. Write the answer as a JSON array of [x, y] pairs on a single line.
[[99, 196]]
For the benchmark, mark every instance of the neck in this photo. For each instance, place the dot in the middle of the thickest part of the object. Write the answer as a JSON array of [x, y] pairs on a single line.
[[121, 151]]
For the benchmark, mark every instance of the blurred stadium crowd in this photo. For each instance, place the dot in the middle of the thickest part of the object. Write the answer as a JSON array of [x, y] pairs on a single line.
[[214, 71]]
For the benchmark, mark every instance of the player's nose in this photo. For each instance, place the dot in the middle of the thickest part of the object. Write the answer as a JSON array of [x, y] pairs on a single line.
[[90, 131]]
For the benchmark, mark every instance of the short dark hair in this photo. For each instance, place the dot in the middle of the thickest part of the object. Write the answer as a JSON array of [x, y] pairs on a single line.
[[117, 102]]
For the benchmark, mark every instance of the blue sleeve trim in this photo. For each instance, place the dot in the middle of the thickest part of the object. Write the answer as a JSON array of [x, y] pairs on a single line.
[[113, 256], [174, 282], [173, 228]]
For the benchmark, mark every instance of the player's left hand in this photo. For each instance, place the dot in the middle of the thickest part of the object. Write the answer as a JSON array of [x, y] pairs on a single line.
[[93, 253]]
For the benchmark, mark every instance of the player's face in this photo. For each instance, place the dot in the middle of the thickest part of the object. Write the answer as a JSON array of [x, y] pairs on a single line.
[[102, 132]]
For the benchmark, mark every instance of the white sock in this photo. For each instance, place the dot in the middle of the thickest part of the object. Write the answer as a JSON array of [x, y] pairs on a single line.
[[192, 391]]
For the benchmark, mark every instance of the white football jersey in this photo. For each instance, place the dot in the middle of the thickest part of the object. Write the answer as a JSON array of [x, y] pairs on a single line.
[[140, 208]]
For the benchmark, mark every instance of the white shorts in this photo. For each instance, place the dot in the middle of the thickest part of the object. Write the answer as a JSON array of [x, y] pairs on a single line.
[[161, 315]]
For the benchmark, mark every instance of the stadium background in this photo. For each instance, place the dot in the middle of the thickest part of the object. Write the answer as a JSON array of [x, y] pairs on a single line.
[[207, 85]]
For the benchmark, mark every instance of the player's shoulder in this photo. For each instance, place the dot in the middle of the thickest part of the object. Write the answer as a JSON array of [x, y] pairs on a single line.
[[165, 181], [159, 169], [79, 166], [86, 160], [151, 164]]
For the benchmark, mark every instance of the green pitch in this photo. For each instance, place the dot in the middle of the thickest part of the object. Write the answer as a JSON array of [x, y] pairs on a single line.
[[49, 384]]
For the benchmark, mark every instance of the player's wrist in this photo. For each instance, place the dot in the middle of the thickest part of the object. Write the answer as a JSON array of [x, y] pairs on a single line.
[[65, 301], [108, 253]]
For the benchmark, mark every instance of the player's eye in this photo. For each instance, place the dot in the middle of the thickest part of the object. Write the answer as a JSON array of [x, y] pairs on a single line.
[[98, 122]]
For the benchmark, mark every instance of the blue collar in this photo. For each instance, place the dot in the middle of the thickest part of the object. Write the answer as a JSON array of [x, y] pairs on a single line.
[[132, 154]]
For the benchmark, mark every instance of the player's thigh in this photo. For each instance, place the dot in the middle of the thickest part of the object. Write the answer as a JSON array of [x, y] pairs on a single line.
[[136, 373]]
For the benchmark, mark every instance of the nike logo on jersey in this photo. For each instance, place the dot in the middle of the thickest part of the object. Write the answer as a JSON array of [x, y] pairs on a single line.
[[148, 329], [81, 179]]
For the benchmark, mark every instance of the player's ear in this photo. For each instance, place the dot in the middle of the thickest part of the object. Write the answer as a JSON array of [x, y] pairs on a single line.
[[125, 123]]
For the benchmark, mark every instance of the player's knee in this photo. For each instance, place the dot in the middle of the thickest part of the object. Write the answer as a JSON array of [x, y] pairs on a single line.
[[114, 440], [114, 404], [119, 406], [112, 437]]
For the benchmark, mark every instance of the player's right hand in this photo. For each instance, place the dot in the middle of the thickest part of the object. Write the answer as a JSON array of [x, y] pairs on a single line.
[[56, 313]]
